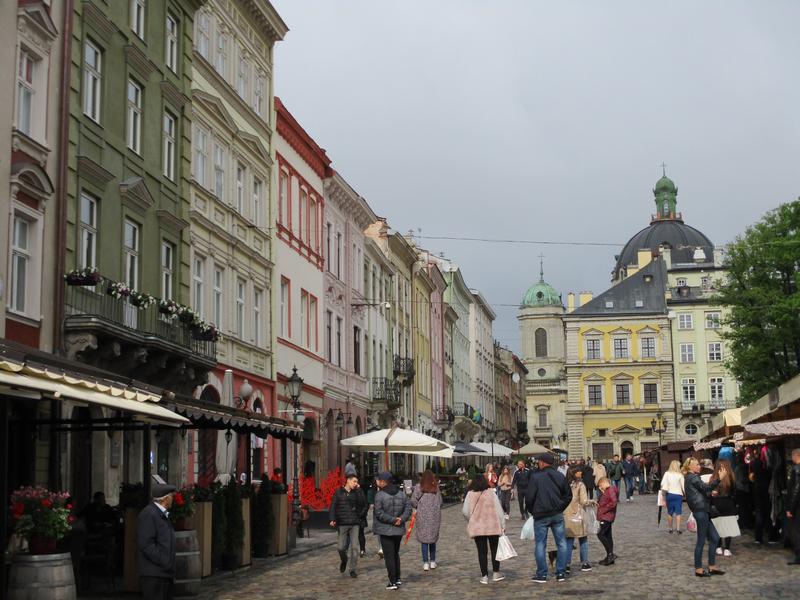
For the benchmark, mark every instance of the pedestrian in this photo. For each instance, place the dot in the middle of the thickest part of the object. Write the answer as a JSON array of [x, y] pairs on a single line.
[[350, 468], [587, 476], [793, 505], [519, 483], [504, 483], [391, 511], [598, 471], [563, 468], [698, 494], [606, 515], [642, 475], [490, 475], [575, 518], [547, 497], [155, 541], [362, 523], [724, 503], [345, 513], [615, 471], [485, 525], [673, 489], [629, 471], [426, 499]]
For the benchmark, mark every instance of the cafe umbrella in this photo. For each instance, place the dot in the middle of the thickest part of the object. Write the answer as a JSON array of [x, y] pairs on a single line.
[[400, 441]]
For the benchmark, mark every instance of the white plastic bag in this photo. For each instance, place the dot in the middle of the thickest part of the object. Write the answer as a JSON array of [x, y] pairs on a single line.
[[504, 549], [727, 526], [527, 532], [691, 524], [592, 524]]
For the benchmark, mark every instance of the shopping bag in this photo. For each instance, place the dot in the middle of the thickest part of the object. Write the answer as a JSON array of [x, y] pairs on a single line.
[[662, 499], [527, 532], [504, 549], [727, 526], [691, 524], [592, 524]]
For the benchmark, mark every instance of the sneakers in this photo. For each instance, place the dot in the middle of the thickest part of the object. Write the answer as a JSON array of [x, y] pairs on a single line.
[[560, 577], [362, 554], [498, 576], [391, 586], [727, 553], [433, 564], [398, 583], [719, 551], [506, 517], [380, 553], [539, 579], [608, 560], [485, 580], [586, 567], [426, 566], [670, 531], [343, 561], [353, 574]]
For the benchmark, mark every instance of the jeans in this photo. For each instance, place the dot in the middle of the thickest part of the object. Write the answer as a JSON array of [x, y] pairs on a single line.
[[628, 487], [642, 485], [583, 546], [362, 540], [540, 528], [428, 549], [348, 538], [616, 484], [390, 544], [705, 530], [505, 500], [481, 543], [521, 499], [606, 537], [794, 534]]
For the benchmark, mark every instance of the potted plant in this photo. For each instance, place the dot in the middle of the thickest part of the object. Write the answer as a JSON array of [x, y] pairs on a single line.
[[205, 332], [87, 276], [183, 507], [169, 308], [188, 564], [234, 531], [117, 289], [188, 316], [140, 299], [42, 517]]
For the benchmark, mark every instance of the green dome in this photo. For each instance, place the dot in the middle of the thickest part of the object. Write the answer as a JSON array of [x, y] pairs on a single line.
[[541, 294], [665, 184]]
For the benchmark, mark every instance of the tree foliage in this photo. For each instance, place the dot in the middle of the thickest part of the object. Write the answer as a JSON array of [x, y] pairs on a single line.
[[762, 294]]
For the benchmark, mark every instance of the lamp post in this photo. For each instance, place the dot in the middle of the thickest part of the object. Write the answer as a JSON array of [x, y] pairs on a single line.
[[294, 387], [490, 434], [659, 425]]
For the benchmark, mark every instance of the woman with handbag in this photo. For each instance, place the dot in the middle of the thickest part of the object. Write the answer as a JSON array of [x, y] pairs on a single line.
[[698, 494], [485, 524], [724, 503], [575, 518], [427, 501], [672, 489]]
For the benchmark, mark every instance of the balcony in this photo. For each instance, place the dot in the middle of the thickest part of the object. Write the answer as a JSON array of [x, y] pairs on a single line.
[[403, 370], [137, 342], [387, 391], [713, 407], [443, 417]]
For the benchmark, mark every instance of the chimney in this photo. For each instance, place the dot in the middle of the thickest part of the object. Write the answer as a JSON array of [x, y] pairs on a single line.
[[570, 302], [585, 298]]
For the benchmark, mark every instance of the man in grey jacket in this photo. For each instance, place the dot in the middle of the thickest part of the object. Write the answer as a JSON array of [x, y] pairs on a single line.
[[155, 540], [391, 511]]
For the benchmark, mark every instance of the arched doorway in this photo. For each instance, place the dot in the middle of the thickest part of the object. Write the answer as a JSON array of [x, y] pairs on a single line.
[[207, 443], [626, 449]]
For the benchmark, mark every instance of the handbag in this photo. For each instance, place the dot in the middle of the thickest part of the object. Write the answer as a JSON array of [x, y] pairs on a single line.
[[727, 526], [504, 549], [592, 524], [527, 532], [691, 524]]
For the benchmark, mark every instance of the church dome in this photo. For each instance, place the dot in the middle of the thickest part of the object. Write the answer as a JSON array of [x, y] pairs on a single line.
[[541, 293], [665, 184]]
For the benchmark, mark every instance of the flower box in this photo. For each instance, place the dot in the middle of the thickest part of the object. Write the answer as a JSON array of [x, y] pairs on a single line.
[[88, 276]]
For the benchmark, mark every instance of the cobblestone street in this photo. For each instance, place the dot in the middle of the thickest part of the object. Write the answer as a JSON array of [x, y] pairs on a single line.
[[651, 564]]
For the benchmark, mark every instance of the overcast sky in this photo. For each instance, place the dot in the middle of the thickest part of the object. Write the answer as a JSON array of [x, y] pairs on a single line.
[[548, 121]]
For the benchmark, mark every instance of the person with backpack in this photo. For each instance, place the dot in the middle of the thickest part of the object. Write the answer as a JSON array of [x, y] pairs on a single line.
[[391, 511], [547, 496]]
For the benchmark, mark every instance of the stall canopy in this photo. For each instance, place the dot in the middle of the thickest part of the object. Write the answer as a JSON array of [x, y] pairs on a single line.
[[532, 449], [774, 428], [208, 415]]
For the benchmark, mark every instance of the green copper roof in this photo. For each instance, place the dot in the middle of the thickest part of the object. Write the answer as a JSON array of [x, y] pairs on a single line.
[[541, 293], [665, 184]]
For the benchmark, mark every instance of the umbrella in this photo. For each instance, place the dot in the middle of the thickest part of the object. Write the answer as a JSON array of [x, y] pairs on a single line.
[[531, 449], [402, 441], [466, 449], [411, 525], [493, 449]]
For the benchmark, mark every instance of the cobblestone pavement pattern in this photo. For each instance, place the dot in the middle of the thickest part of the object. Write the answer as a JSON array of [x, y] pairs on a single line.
[[651, 564]]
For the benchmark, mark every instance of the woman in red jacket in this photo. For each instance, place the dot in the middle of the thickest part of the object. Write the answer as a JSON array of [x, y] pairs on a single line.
[[606, 513]]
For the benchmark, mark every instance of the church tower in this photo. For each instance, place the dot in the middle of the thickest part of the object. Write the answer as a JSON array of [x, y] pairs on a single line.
[[542, 347]]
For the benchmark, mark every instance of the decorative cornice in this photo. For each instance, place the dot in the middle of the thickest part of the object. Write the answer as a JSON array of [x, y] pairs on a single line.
[[20, 142], [93, 16], [256, 146], [139, 61], [173, 95], [34, 20], [297, 137], [134, 192], [171, 220], [268, 21], [214, 105], [93, 172]]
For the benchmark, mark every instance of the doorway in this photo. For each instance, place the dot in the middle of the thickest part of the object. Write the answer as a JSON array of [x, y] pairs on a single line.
[[626, 449]]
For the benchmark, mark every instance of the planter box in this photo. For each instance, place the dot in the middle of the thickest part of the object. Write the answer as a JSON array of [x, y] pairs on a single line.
[[280, 525], [247, 557], [201, 522], [130, 572]]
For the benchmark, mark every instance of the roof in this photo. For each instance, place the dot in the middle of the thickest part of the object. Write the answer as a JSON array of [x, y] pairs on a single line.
[[641, 293], [541, 294]]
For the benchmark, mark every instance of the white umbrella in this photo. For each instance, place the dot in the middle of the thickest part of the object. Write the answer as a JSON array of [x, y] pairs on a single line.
[[531, 449], [488, 449], [401, 441]]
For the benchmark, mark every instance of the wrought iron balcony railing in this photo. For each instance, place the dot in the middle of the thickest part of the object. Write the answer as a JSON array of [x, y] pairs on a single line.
[[386, 390], [443, 415], [403, 369]]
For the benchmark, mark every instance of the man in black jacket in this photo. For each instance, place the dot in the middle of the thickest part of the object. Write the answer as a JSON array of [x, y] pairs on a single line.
[[346, 512], [155, 540], [520, 483], [793, 505], [547, 497]]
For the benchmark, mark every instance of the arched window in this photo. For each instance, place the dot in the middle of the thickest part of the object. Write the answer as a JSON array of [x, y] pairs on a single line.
[[540, 338]]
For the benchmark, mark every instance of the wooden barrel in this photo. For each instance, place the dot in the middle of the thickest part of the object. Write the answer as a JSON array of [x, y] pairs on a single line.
[[41, 577], [187, 564]]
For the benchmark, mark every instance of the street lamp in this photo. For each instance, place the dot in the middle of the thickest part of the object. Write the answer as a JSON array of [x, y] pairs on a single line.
[[294, 387], [659, 427], [490, 434]]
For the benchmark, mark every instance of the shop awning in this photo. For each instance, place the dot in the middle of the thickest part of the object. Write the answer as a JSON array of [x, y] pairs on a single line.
[[219, 416], [774, 428], [710, 445], [59, 385]]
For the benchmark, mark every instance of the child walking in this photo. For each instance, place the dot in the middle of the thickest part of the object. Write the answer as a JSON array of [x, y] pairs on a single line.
[[606, 514]]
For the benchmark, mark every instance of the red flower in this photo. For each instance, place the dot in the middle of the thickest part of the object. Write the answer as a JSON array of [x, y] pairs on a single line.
[[46, 503], [18, 509], [69, 506], [179, 499], [71, 519]]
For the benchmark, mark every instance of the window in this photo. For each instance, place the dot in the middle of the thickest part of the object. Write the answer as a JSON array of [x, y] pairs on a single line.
[[540, 342], [134, 117], [623, 393], [690, 429], [25, 90], [169, 146], [88, 232], [92, 73], [680, 282], [687, 353], [258, 200], [203, 36], [688, 390], [258, 94], [648, 347], [328, 336], [198, 275], [167, 268], [243, 78], [200, 155], [171, 43], [240, 174], [620, 347], [312, 323], [650, 393], [219, 171], [283, 200], [715, 351], [312, 224], [258, 296], [339, 255], [593, 349], [284, 308], [219, 283], [21, 262], [685, 321], [302, 229], [137, 17], [713, 320], [705, 283], [717, 391], [328, 234], [595, 393], [221, 59], [241, 290], [304, 318], [542, 413], [130, 249], [356, 350], [339, 341]]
